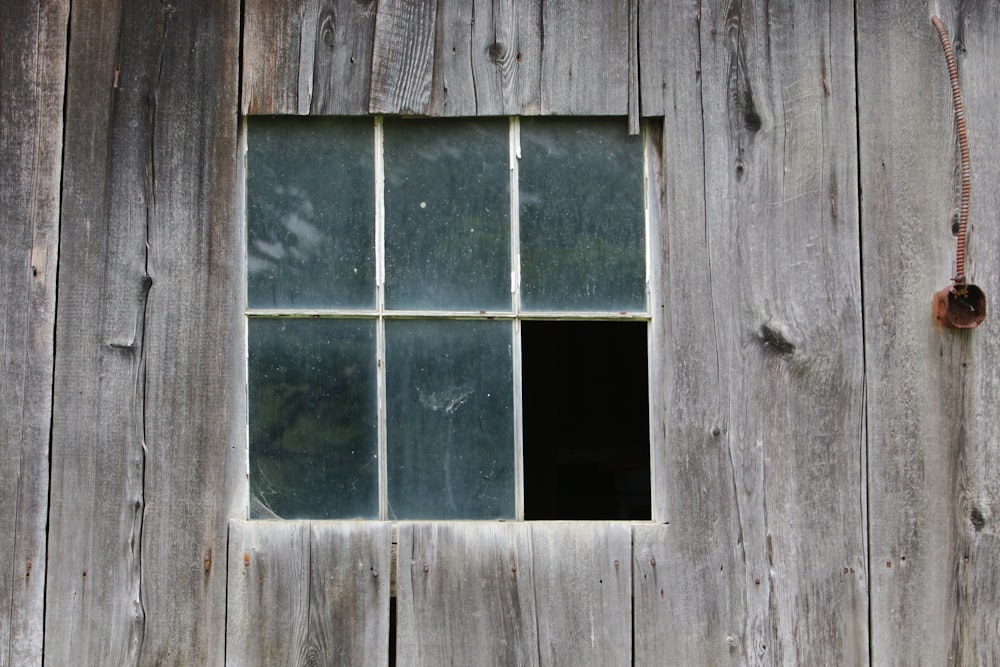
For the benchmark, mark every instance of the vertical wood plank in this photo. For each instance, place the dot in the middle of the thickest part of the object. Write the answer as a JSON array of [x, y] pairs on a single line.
[[268, 608], [760, 471], [633, 67], [585, 58], [32, 75], [503, 70], [975, 633], [582, 583], [94, 611], [403, 57], [341, 72], [932, 393], [308, 56], [463, 595], [669, 44], [476, 64], [529, 54], [656, 599], [273, 36], [308, 593], [514, 593], [144, 411], [192, 364]]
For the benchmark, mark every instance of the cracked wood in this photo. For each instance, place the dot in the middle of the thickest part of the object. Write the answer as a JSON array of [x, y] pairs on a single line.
[[447, 58], [139, 497], [762, 435], [31, 146], [932, 393]]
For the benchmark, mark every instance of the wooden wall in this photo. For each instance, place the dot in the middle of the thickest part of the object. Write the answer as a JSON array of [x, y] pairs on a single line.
[[147, 395], [32, 74], [934, 433], [825, 461]]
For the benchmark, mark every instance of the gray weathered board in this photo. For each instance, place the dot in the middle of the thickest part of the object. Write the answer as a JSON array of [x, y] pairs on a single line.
[[308, 56], [534, 593], [933, 394], [31, 81], [759, 461], [148, 305], [447, 58], [308, 593]]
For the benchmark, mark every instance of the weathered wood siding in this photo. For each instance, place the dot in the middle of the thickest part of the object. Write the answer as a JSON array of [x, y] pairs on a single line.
[[146, 375], [933, 394], [760, 466], [824, 457], [448, 58], [323, 64], [514, 594], [32, 74], [304, 593]]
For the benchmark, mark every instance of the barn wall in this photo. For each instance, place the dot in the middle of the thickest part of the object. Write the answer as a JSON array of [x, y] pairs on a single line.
[[934, 433], [825, 487]]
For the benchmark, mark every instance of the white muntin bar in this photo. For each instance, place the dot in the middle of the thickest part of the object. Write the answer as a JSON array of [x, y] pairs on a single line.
[[383, 470], [515, 289]]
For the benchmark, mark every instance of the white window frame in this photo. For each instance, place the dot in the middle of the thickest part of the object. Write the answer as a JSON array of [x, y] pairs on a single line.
[[651, 315]]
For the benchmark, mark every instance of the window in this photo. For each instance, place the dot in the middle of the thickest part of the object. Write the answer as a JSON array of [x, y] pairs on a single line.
[[446, 318]]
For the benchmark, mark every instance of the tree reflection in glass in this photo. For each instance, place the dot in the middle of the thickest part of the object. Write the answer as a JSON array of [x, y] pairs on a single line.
[[313, 418]]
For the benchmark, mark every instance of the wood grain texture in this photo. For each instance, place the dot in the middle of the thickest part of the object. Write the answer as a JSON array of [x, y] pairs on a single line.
[[759, 464], [144, 412], [403, 57], [634, 110], [669, 46], [476, 64], [514, 593], [308, 593], [447, 58], [32, 75], [932, 393], [529, 54], [308, 56], [584, 67]]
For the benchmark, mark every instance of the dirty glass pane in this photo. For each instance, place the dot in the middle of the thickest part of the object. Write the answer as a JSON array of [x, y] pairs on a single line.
[[313, 437], [447, 238], [450, 420], [310, 213], [582, 220]]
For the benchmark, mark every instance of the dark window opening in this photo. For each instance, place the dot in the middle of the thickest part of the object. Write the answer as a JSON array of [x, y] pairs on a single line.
[[586, 420], [392, 626]]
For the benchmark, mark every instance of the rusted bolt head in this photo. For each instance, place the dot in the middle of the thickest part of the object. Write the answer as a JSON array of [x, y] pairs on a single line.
[[960, 306]]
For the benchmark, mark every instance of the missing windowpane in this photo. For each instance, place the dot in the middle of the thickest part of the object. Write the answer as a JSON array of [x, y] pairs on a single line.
[[586, 420]]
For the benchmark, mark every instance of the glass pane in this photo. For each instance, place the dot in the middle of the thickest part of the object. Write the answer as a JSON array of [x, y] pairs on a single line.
[[582, 216], [450, 420], [447, 201], [310, 213], [313, 406]]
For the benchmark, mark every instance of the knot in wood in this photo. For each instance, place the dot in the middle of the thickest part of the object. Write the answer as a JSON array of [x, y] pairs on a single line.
[[977, 519], [775, 341], [497, 51]]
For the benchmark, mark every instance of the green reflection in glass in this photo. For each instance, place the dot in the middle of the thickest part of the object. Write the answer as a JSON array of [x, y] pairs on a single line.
[[447, 239], [450, 423], [582, 216], [313, 428], [310, 213]]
